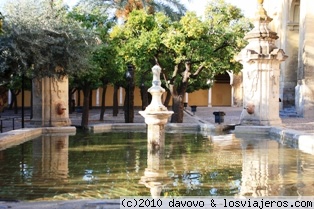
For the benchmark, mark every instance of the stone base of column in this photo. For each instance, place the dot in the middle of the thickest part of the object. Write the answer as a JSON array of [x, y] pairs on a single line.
[[304, 100], [254, 120], [261, 122], [156, 135], [53, 123]]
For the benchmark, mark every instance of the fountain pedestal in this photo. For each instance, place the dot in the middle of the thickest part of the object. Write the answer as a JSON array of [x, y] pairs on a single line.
[[261, 60], [50, 102], [156, 114]]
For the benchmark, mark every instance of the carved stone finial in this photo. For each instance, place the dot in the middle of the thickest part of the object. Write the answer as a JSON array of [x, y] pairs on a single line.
[[261, 12], [156, 75]]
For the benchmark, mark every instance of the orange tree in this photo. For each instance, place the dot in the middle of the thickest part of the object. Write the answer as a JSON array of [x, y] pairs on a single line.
[[121, 9], [190, 51]]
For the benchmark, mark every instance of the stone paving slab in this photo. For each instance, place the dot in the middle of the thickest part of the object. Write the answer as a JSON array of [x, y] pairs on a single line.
[[70, 204], [202, 115]]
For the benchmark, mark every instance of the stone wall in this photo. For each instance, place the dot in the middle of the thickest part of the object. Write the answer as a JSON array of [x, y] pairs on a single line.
[[293, 19]]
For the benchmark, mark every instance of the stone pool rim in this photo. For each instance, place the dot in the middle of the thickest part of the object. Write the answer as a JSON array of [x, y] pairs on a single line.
[[292, 138]]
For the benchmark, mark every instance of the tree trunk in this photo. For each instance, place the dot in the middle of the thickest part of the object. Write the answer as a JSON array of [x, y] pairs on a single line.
[[177, 107], [103, 102], [144, 96], [129, 103], [78, 98], [91, 99], [31, 113], [129, 96], [115, 108], [13, 104], [16, 108], [178, 93], [71, 101], [168, 97], [13, 99], [85, 114]]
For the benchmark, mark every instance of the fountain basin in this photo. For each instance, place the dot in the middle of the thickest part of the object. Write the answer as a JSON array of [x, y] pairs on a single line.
[[156, 118]]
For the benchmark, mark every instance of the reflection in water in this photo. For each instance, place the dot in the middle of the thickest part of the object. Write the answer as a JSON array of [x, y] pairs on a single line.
[[50, 158], [88, 176], [259, 170], [110, 165], [155, 176], [269, 169]]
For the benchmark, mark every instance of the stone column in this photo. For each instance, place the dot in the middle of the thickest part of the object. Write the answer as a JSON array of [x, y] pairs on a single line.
[[290, 29], [304, 91], [261, 70], [156, 114], [50, 102]]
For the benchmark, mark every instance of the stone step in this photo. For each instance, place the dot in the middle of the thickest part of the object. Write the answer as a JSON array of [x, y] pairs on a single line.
[[288, 112]]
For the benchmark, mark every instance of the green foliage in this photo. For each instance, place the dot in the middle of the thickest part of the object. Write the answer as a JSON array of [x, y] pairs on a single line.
[[122, 8], [43, 38], [102, 58], [190, 51]]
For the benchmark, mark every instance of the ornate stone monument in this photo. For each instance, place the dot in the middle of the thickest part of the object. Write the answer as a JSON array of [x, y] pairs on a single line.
[[261, 61], [156, 114], [50, 102]]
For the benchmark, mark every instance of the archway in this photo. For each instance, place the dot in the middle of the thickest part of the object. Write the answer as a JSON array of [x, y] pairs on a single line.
[[221, 90]]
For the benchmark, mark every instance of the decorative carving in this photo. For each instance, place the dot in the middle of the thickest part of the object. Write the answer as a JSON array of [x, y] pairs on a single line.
[[274, 81], [253, 77], [250, 107], [60, 108], [55, 86], [156, 91], [37, 84]]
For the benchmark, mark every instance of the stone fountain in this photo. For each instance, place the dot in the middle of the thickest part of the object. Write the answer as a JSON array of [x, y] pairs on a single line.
[[156, 114], [261, 60]]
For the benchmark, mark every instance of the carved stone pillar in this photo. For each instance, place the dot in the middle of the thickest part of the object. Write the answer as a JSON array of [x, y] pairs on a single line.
[[304, 91], [261, 61], [156, 114], [50, 102]]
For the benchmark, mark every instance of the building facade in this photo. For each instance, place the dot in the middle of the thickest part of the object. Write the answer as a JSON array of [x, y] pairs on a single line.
[[293, 21]]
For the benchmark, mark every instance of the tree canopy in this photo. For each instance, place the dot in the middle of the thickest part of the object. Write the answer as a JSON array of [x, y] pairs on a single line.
[[174, 9], [42, 37], [190, 51]]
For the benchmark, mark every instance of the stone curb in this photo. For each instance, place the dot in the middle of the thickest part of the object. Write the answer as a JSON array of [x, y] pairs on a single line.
[[19, 136], [289, 137], [293, 138]]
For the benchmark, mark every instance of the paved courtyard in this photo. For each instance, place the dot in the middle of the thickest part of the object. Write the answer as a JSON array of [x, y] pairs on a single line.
[[202, 115]]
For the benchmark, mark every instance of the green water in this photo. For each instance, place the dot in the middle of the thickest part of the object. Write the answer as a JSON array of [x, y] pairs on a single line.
[[110, 165]]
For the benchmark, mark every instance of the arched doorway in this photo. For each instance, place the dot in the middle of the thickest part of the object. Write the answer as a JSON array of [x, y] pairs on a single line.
[[221, 91]]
